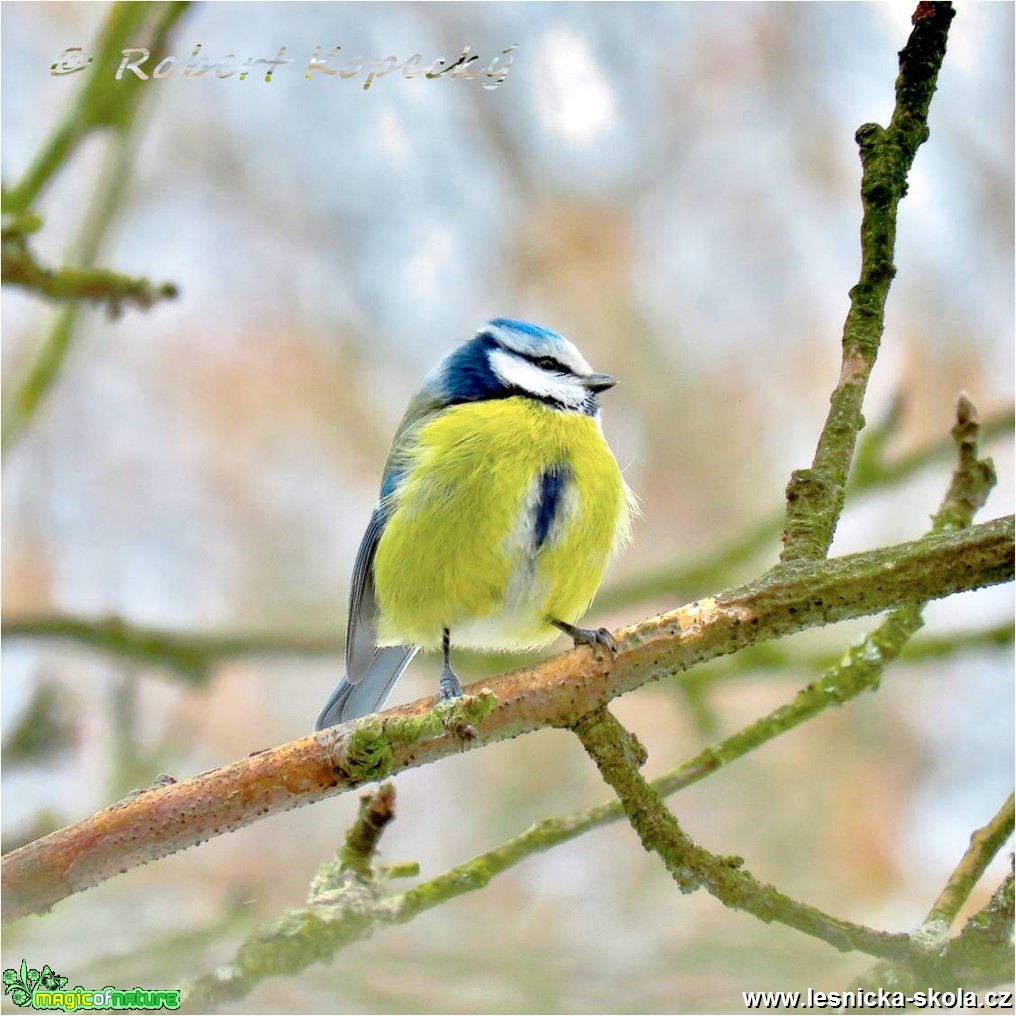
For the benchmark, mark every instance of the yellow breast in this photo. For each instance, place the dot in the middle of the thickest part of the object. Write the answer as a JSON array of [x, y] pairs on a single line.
[[469, 545]]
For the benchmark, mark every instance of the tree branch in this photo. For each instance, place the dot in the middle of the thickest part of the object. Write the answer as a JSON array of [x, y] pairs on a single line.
[[985, 843], [102, 103], [344, 905], [981, 954], [69, 285], [815, 496], [616, 754], [376, 811], [556, 693], [872, 472], [189, 655]]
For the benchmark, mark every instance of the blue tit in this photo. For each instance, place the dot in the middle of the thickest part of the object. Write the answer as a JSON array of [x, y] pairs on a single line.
[[500, 506]]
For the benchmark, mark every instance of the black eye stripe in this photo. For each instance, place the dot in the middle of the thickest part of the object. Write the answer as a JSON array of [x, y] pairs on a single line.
[[546, 363]]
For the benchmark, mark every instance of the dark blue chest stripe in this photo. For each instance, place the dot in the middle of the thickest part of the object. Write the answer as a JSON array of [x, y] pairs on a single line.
[[553, 483]]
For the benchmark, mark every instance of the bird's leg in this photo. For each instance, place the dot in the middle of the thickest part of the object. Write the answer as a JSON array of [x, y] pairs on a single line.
[[449, 687], [587, 636]]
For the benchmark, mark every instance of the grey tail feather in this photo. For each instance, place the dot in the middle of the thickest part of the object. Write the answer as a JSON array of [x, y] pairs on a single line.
[[350, 701]]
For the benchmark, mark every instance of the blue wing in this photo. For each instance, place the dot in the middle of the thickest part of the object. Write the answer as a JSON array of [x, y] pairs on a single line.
[[371, 672]]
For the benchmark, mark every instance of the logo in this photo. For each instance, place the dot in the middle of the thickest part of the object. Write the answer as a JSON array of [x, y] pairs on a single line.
[[45, 989]]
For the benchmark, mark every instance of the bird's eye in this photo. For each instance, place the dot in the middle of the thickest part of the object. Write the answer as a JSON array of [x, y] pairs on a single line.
[[547, 363]]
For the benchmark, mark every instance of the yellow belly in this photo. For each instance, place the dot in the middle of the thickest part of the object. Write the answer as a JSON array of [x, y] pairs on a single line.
[[458, 550]]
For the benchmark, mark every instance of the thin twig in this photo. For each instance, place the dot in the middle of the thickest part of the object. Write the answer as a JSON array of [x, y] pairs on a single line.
[[102, 103], [190, 655], [985, 843], [815, 496], [376, 811], [70, 285], [345, 904]]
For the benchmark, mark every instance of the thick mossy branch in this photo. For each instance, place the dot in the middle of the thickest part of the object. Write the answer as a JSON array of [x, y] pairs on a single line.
[[815, 496], [980, 955], [553, 693], [376, 811], [610, 746]]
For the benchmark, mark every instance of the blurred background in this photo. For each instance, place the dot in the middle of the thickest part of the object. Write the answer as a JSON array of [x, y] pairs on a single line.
[[675, 188]]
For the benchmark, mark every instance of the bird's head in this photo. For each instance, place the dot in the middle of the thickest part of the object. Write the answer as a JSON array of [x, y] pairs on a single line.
[[507, 358]]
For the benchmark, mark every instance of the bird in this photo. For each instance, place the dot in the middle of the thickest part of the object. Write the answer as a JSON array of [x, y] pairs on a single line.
[[499, 508]]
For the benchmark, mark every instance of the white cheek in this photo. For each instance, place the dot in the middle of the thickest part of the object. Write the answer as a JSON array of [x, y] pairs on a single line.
[[527, 376]]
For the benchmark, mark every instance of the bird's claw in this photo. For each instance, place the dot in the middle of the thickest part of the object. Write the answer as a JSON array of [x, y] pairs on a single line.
[[589, 637], [595, 637]]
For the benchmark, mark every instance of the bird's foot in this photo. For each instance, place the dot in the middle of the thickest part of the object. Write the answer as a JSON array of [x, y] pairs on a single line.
[[588, 636], [450, 706], [449, 687]]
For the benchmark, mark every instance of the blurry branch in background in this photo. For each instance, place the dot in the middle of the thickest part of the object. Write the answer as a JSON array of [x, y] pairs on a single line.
[[554, 693], [873, 472], [815, 496], [103, 101], [107, 103], [192, 657], [189, 656], [43, 730], [67, 285]]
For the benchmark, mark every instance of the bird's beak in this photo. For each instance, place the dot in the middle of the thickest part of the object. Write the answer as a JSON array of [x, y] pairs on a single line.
[[598, 382]]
